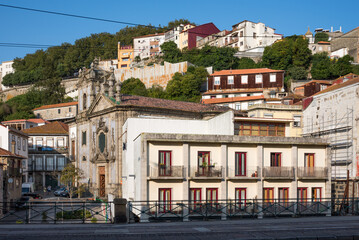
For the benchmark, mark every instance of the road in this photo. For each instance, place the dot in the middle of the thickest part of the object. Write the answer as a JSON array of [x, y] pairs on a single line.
[[282, 228]]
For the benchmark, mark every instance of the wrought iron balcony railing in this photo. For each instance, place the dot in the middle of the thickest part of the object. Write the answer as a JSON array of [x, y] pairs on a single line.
[[278, 172]]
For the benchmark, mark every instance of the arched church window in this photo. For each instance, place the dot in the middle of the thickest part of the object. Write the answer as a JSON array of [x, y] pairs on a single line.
[[102, 142]]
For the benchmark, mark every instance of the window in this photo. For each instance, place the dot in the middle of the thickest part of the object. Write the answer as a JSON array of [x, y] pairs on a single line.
[[244, 79], [241, 33], [272, 77], [84, 159], [213, 97], [212, 195], [302, 194], [50, 142], [60, 163], [102, 142], [195, 197], [69, 109], [59, 110], [217, 80], [38, 143], [240, 164], [18, 143], [230, 79], [241, 198], [309, 160], [165, 163], [268, 115], [204, 162], [297, 120], [50, 164], [283, 196], [84, 100], [38, 164], [60, 142], [30, 143], [24, 145], [261, 129], [84, 138], [254, 35], [275, 159], [164, 200], [241, 43], [259, 78], [238, 106], [268, 195], [316, 194]]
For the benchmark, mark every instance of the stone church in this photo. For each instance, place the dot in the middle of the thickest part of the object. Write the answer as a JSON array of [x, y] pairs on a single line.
[[95, 134]]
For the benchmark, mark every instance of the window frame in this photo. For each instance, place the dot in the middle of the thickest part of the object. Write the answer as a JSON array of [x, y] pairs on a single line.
[[238, 202], [307, 158], [257, 79], [230, 80], [320, 194], [165, 203], [164, 171], [277, 161], [270, 77], [216, 81], [83, 138], [244, 79], [238, 171]]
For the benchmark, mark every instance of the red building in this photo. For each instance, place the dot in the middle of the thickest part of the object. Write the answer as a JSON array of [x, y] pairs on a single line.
[[199, 32]]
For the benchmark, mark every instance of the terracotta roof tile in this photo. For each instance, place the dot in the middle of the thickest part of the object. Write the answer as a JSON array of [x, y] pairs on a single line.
[[245, 71], [129, 100], [56, 105], [53, 128], [323, 42], [338, 86], [6, 153], [229, 100]]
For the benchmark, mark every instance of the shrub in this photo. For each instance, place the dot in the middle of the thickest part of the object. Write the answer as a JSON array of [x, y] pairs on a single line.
[[76, 214]]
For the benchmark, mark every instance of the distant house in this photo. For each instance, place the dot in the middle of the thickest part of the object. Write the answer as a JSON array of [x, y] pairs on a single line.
[[148, 45], [57, 112], [48, 153], [241, 88], [126, 55], [190, 36], [21, 124], [347, 44], [312, 87]]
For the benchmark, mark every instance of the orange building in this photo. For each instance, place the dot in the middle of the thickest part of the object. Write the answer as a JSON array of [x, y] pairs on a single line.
[[125, 56]]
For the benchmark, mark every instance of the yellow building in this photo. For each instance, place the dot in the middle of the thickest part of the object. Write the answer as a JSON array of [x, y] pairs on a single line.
[[183, 36], [125, 56], [278, 113]]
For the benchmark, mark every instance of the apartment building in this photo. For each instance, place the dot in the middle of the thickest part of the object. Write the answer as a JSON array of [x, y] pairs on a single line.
[[57, 112], [5, 68], [208, 167], [148, 45], [241, 88], [191, 34], [174, 34], [48, 153], [125, 55]]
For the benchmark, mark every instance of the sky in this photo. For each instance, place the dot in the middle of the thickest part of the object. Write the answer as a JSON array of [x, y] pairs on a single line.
[[288, 17]]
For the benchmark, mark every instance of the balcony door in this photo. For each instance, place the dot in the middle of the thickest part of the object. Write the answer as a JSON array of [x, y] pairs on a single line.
[[241, 198], [316, 194], [283, 195], [195, 197], [309, 160], [302, 195], [268, 195], [165, 163], [212, 195], [204, 162], [164, 199], [240, 164], [275, 159]]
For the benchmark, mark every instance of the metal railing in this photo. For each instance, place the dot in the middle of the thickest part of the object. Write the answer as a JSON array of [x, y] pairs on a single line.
[[206, 172], [167, 172], [56, 212], [184, 210], [312, 173], [278, 172], [250, 172]]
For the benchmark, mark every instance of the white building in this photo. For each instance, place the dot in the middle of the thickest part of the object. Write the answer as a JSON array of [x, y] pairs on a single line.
[[5, 68], [173, 34], [15, 141], [211, 164], [148, 45]]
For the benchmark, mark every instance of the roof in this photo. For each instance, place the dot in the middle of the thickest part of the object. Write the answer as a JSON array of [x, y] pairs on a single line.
[[139, 101], [338, 86], [6, 153], [308, 32], [53, 128], [34, 120], [56, 105], [245, 71], [323, 42], [150, 35], [233, 99]]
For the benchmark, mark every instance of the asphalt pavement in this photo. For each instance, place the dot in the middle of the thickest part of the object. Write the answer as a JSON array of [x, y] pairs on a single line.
[[346, 227]]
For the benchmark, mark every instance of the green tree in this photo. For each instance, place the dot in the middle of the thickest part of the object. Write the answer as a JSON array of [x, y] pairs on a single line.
[[321, 36], [70, 177], [356, 69], [134, 86], [321, 66], [156, 91], [342, 66], [297, 73], [170, 52], [246, 63]]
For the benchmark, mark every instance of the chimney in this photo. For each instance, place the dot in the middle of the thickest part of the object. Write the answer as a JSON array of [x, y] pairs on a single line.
[[331, 29]]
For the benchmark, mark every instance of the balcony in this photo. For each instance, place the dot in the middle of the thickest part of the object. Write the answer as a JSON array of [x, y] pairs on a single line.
[[207, 172], [278, 172], [167, 172], [312, 173], [251, 173]]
